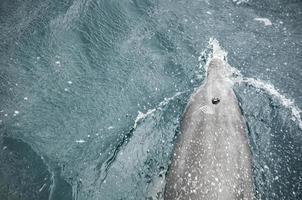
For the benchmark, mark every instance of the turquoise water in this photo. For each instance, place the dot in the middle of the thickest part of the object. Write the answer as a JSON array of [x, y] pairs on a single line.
[[78, 76]]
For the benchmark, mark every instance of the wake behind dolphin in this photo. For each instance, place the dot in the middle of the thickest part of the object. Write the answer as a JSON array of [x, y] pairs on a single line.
[[211, 158]]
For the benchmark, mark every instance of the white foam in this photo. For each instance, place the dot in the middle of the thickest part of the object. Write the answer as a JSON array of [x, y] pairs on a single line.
[[43, 186], [110, 127], [69, 82], [25, 98], [142, 115], [80, 141], [266, 21], [216, 51], [238, 2], [167, 100], [53, 183], [236, 77]]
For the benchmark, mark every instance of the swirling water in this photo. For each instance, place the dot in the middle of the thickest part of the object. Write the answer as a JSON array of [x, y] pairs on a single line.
[[92, 92]]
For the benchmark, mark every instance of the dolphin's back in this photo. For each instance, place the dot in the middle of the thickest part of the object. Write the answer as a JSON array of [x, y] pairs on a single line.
[[211, 158]]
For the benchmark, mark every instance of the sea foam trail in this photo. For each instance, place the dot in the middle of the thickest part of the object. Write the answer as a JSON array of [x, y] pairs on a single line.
[[141, 116], [216, 51]]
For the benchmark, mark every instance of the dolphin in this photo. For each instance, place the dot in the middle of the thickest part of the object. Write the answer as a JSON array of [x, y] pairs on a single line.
[[211, 158]]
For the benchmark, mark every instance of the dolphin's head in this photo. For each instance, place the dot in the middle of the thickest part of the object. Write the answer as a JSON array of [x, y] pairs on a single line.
[[216, 69]]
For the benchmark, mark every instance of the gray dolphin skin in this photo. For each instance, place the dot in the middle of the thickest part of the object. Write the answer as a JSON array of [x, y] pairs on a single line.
[[211, 158]]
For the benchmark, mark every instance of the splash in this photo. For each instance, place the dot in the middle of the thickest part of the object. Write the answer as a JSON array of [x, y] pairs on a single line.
[[266, 21], [216, 51], [141, 116], [80, 141], [238, 2]]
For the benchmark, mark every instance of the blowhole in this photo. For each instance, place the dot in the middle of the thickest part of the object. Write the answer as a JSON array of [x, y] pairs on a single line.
[[215, 100]]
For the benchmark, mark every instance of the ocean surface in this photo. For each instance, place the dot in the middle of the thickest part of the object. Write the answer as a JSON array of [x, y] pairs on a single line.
[[92, 92]]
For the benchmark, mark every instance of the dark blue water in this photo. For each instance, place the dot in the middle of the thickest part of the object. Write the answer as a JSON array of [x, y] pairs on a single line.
[[92, 92]]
